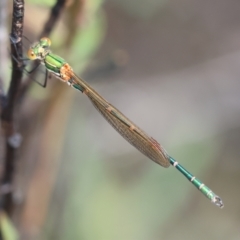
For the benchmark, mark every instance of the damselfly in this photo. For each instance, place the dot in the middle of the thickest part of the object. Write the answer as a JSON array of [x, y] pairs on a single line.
[[133, 134]]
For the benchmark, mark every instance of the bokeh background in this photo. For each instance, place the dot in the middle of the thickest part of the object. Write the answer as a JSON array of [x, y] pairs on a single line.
[[173, 67]]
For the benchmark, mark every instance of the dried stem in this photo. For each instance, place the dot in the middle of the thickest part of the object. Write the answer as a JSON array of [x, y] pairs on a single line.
[[8, 120], [16, 91]]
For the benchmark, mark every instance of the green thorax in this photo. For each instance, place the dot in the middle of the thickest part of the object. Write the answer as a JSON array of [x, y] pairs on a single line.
[[53, 62]]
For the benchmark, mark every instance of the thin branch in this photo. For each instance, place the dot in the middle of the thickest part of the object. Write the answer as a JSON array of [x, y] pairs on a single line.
[[53, 18], [15, 93], [48, 27], [8, 121]]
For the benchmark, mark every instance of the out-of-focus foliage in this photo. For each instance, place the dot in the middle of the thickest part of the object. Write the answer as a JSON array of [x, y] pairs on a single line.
[[85, 42], [8, 230], [43, 3], [141, 8]]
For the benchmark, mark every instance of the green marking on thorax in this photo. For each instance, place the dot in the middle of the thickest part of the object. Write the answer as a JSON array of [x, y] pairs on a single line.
[[53, 62]]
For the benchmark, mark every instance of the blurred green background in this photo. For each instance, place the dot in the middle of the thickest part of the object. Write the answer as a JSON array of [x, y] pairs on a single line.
[[173, 68]]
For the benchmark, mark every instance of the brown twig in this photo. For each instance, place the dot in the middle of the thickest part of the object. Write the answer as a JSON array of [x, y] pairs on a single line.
[[8, 121]]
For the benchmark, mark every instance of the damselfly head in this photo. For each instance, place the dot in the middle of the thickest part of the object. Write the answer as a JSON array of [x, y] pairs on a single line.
[[39, 49]]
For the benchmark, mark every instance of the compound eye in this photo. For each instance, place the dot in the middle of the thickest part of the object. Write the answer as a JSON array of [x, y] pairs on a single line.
[[31, 55], [45, 42]]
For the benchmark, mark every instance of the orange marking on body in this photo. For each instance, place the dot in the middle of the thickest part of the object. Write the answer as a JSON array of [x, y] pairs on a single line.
[[66, 72], [132, 128], [109, 109]]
